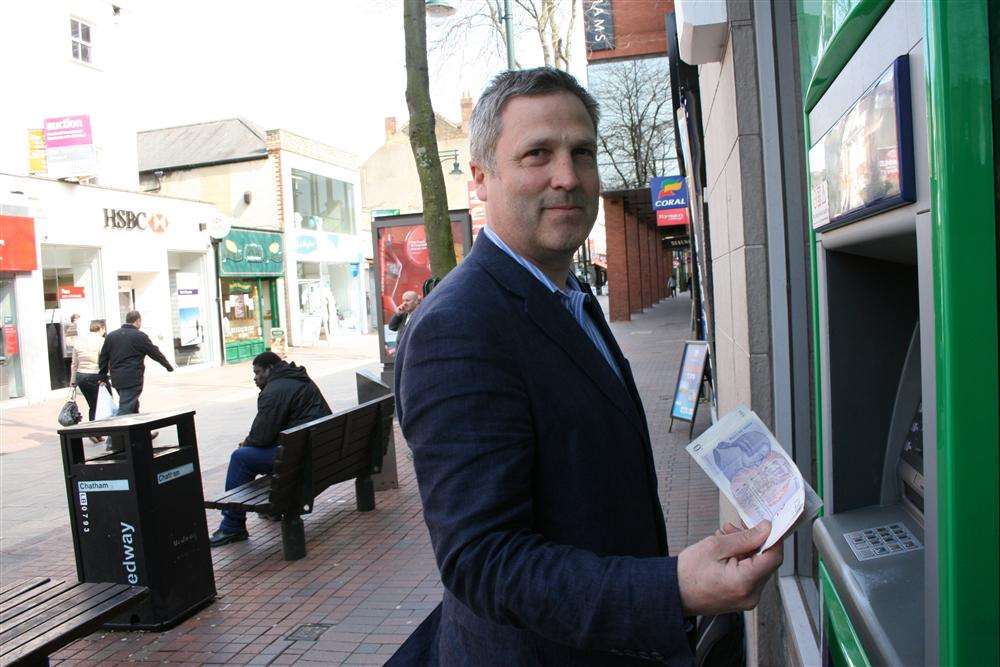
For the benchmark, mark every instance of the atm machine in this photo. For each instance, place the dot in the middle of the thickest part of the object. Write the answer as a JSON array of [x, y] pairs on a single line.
[[901, 149]]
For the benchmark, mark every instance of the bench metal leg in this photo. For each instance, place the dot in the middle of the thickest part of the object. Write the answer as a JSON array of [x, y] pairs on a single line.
[[293, 537], [364, 489]]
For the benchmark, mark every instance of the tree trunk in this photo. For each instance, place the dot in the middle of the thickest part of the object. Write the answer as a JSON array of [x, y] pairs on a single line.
[[423, 141]]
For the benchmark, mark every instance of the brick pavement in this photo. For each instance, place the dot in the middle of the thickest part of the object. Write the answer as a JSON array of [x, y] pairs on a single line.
[[370, 577]]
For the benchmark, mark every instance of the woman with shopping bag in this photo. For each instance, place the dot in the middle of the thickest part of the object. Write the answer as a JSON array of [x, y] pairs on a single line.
[[84, 371]]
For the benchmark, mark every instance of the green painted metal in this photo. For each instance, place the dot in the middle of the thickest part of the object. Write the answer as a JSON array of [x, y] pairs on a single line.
[[841, 45], [844, 645], [964, 239]]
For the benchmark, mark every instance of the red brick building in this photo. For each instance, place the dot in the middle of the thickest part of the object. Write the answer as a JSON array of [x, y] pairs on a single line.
[[638, 261]]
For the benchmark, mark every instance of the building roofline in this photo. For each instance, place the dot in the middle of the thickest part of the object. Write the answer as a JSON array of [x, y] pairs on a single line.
[[104, 187]]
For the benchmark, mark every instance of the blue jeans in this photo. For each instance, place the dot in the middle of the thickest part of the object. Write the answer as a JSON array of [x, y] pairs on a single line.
[[244, 465]]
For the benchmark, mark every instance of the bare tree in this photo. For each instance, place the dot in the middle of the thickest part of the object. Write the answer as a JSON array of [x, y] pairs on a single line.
[[543, 18], [423, 141], [636, 133]]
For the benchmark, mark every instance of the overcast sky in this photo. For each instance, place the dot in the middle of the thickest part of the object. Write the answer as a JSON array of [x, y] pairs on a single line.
[[330, 70]]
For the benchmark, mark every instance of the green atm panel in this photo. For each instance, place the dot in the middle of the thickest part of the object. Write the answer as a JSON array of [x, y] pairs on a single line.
[[904, 295]]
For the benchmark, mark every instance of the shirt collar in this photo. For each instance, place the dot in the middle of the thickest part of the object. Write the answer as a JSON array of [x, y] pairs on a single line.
[[571, 285]]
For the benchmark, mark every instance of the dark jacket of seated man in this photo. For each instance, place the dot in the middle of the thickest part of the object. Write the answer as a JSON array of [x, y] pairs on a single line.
[[287, 398]]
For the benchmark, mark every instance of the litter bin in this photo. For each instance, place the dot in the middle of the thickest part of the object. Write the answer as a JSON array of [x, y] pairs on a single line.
[[138, 514]]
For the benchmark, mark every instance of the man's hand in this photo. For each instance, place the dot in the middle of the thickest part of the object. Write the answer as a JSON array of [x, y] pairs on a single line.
[[723, 573]]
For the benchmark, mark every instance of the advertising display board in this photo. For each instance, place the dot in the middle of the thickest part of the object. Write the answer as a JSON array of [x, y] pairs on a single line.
[[403, 264], [192, 325], [69, 147], [687, 391], [864, 163], [670, 200]]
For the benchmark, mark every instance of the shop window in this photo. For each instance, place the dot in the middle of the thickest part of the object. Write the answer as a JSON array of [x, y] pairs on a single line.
[[81, 41], [240, 304], [322, 204]]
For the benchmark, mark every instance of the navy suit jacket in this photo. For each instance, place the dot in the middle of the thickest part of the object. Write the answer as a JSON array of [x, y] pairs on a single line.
[[536, 475]]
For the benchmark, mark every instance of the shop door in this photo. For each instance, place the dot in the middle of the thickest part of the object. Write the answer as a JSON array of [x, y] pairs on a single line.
[[269, 306], [11, 383]]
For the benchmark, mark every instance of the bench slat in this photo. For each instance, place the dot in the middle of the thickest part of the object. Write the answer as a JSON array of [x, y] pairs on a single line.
[[70, 598], [256, 501], [35, 595], [247, 492], [260, 482], [333, 472], [81, 622], [20, 586]]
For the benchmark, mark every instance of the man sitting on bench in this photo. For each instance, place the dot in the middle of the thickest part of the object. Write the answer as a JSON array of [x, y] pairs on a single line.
[[287, 398]]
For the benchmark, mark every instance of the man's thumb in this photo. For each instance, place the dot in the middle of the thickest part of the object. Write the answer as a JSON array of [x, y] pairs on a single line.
[[744, 541]]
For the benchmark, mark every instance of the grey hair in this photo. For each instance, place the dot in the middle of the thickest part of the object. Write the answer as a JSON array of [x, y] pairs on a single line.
[[485, 124]]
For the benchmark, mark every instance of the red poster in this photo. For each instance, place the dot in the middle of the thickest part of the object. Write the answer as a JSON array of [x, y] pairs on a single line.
[[70, 293], [405, 264], [10, 341], [671, 217], [17, 243]]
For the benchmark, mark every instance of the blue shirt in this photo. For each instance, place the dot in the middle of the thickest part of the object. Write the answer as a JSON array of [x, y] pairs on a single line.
[[571, 296]]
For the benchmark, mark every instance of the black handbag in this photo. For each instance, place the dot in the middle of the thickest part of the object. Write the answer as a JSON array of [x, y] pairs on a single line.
[[70, 413]]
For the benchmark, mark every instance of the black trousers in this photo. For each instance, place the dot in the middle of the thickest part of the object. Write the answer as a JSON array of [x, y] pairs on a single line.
[[128, 399], [87, 383]]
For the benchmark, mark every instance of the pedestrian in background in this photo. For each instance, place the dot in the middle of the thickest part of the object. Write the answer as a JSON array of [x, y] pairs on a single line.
[[123, 357], [398, 321], [288, 397], [85, 367], [671, 285]]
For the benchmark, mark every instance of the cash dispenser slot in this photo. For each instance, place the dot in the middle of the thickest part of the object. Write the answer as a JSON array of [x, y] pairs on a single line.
[[872, 544]]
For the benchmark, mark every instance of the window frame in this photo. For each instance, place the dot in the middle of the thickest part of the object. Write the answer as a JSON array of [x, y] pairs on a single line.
[[78, 43]]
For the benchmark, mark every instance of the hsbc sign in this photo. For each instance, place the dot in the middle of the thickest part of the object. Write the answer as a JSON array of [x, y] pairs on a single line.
[[116, 218]]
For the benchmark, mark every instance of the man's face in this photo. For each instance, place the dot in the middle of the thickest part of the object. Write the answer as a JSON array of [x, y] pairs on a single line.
[[138, 323], [410, 301], [260, 376], [541, 195]]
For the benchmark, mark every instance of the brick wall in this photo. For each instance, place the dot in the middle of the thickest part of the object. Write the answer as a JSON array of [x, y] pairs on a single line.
[[614, 226], [633, 266], [639, 29]]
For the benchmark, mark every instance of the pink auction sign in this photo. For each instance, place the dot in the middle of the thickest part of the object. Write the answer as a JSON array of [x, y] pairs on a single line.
[[68, 131]]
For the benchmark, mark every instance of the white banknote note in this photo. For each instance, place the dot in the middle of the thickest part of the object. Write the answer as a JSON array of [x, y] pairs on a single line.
[[748, 465]]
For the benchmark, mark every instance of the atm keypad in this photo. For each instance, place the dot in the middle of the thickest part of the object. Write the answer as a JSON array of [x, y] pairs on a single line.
[[894, 538]]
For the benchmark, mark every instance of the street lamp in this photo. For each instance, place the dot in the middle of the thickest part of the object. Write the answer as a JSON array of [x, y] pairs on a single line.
[[439, 9], [444, 8], [444, 156]]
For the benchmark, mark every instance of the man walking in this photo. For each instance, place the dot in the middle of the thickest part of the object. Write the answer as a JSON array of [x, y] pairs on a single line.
[[123, 355], [287, 398], [529, 439]]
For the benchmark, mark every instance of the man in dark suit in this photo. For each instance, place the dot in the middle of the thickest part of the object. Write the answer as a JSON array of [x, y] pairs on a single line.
[[123, 357], [529, 439]]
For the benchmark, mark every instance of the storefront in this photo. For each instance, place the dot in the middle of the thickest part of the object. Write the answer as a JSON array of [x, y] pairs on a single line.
[[18, 258], [100, 253], [327, 290], [251, 270]]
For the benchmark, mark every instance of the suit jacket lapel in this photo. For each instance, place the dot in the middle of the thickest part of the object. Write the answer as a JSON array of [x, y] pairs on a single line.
[[545, 310]]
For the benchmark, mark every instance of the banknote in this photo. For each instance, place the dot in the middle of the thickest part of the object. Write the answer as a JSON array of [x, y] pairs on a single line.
[[740, 454]]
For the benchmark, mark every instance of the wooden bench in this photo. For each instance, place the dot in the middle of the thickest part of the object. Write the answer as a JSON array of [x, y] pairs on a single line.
[[311, 458], [40, 616]]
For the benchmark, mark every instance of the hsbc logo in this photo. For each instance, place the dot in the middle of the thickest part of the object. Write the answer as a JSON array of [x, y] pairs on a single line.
[[116, 218]]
